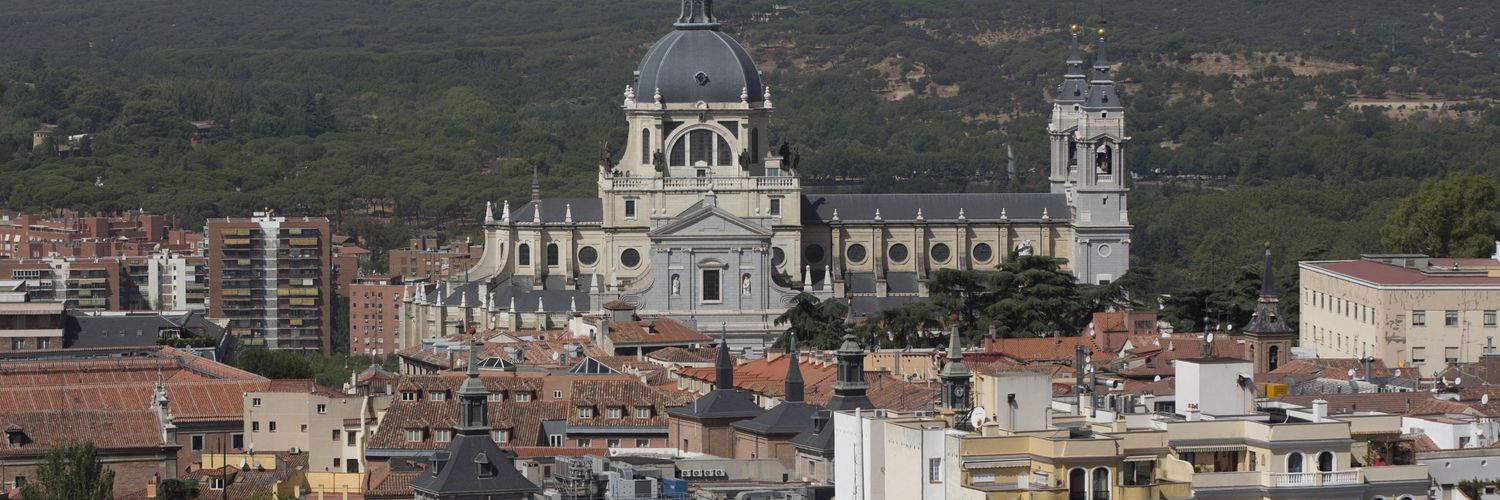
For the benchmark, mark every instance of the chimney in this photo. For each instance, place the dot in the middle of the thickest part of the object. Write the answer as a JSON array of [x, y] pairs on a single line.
[[1320, 410], [1193, 414], [1149, 402]]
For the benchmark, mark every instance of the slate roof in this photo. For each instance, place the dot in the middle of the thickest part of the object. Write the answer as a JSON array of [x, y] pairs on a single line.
[[817, 209], [134, 329], [817, 438], [555, 210], [789, 417], [471, 467], [674, 61]]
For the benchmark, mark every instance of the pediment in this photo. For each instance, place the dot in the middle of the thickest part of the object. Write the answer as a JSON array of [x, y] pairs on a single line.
[[712, 223]]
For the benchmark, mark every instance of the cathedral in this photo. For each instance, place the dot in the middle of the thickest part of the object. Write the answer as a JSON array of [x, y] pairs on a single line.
[[702, 219]]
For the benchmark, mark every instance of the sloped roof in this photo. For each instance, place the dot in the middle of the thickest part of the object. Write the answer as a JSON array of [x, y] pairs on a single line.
[[684, 355], [591, 366], [660, 330], [107, 428], [789, 417], [818, 209]]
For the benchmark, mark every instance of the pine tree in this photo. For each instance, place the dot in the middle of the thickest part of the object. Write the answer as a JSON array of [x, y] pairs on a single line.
[[71, 472]]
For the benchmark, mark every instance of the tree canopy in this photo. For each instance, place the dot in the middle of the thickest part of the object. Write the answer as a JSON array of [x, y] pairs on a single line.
[[71, 472], [1453, 217]]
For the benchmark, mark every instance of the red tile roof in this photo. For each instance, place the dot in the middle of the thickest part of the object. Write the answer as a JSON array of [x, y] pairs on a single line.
[[1379, 273], [684, 355], [767, 377], [1054, 349], [107, 429], [661, 330]]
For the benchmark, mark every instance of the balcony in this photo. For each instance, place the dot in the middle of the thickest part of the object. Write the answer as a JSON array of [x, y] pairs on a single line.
[[701, 183], [1314, 479]]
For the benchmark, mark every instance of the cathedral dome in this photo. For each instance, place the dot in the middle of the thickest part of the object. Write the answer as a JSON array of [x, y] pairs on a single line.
[[697, 62]]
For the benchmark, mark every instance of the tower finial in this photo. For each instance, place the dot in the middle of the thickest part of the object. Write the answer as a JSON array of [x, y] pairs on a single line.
[[536, 184], [697, 15], [724, 366], [1267, 281]]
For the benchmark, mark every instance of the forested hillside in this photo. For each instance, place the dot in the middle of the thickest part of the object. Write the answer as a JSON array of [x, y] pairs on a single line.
[[1302, 122]]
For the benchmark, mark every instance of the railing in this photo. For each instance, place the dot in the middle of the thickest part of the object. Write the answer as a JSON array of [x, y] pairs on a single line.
[[701, 183], [1314, 479]]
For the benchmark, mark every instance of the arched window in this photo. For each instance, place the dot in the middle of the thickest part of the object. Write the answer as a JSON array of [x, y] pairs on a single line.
[[704, 146], [1078, 484], [1294, 462], [1072, 152], [1103, 158], [645, 146], [523, 254], [1274, 354], [1101, 483], [1325, 461], [552, 257]]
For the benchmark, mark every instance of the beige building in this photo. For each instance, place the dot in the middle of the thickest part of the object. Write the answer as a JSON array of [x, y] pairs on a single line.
[[1407, 310], [298, 415]]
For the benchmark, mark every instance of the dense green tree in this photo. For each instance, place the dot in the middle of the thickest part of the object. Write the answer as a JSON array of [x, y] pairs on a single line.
[[71, 472], [1453, 217], [817, 323], [177, 489]]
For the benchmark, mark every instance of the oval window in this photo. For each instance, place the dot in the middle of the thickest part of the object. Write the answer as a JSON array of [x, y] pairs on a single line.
[[813, 254], [1105, 250], [588, 256], [630, 257], [898, 253], [940, 252], [856, 253], [983, 252], [778, 256]]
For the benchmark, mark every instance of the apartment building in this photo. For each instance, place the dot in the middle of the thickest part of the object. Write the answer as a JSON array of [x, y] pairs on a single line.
[[375, 315], [1408, 310], [299, 416], [156, 281], [270, 278], [426, 258]]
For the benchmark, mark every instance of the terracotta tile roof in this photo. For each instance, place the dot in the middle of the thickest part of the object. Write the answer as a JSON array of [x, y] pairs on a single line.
[[303, 386], [1156, 359], [524, 420], [1054, 349], [767, 377], [1485, 371], [684, 355], [1398, 403], [565, 451], [661, 330], [190, 401], [107, 429], [1332, 368], [619, 305], [394, 485], [627, 394]]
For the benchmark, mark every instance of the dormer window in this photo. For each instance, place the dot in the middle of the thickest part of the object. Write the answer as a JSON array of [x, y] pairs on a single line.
[[585, 412], [643, 412], [615, 412], [408, 395], [523, 397], [437, 396], [14, 436]]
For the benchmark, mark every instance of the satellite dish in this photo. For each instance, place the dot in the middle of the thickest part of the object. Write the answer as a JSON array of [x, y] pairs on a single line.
[[1351, 373], [1157, 379], [1398, 373], [976, 417], [1458, 381], [1485, 399], [1088, 359], [1089, 368], [1209, 338]]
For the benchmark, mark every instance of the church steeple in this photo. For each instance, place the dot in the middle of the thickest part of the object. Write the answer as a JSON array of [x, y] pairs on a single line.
[[724, 367], [849, 390], [955, 377], [1101, 91], [697, 15], [474, 418], [1268, 337], [1074, 79], [794, 384]]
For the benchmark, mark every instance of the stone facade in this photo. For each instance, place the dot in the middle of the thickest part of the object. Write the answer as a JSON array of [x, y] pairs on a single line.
[[700, 218]]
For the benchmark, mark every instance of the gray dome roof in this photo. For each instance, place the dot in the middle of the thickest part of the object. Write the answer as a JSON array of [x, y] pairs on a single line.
[[674, 63]]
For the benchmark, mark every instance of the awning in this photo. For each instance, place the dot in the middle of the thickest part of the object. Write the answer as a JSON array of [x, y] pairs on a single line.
[[1141, 458], [997, 464], [1210, 448]]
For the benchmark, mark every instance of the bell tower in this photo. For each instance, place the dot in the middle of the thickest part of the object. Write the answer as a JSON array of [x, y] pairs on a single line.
[[955, 377], [1268, 339], [1098, 191], [1067, 106]]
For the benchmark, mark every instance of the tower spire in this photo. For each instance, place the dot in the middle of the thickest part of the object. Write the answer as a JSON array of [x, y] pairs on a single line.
[[794, 384], [1267, 281], [472, 394], [955, 375], [536, 184], [724, 366], [1101, 91], [1075, 80], [849, 390], [697, 15]]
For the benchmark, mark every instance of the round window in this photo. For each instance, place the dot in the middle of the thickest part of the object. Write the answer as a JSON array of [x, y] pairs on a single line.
[[813, 254], [1104, 250], [898, 253], [856, 253], [778, 256], [983, 252], [630, 257], [940, 252], [588, 256]]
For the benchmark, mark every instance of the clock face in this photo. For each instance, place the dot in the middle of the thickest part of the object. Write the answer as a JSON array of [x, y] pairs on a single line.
[[959, 391]]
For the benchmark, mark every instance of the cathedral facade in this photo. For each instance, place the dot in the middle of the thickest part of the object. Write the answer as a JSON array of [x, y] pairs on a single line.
[[702, 219]]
